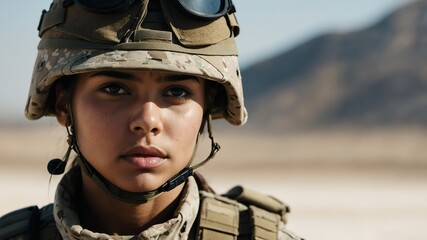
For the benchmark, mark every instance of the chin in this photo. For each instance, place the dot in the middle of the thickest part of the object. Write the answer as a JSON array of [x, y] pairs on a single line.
[[143, 184]]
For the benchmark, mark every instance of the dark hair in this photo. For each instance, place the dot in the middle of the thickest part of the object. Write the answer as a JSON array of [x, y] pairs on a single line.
[[68, 84], [216, 97]]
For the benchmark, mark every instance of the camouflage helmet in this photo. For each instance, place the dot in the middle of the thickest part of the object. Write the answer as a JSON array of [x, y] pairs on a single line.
[[79, 36]]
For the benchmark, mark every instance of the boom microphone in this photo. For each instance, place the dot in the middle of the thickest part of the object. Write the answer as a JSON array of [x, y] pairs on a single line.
[[56, 166]]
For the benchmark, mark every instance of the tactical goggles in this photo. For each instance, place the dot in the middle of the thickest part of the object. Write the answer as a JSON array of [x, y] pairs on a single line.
[[202, 9]]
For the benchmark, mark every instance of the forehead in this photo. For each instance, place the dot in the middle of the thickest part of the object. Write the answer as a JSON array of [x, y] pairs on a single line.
[[132, 75]]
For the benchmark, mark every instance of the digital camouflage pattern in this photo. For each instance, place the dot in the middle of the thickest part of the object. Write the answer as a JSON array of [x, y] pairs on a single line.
[[192, 213], [54, 64], [177, 228]]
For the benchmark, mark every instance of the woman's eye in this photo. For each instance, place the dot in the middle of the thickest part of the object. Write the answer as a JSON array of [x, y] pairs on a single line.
[[114, 89], [178, 92]]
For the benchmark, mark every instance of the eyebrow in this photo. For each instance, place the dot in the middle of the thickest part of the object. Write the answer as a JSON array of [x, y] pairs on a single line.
[[115, 74], [180, 77], [133, 77]]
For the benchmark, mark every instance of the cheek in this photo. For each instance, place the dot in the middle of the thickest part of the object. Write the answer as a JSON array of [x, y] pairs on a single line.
[[184, 127], [96, 126]]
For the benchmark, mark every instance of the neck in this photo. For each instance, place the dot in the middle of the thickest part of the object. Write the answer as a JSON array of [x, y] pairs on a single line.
[[104, 213]]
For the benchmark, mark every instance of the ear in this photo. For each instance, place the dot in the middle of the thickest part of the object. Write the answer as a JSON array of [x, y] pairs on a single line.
[[61, 101]]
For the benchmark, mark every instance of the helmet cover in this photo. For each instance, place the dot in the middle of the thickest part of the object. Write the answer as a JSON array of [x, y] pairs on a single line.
[[150, 35]]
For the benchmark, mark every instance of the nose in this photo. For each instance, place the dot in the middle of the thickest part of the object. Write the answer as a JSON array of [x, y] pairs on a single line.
[[146, 119]]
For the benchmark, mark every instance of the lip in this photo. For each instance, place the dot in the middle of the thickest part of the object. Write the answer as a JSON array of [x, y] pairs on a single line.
[[144, 157]]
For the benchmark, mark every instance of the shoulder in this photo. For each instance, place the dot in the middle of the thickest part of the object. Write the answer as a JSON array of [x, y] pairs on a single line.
[[244, 213], [28, 222]]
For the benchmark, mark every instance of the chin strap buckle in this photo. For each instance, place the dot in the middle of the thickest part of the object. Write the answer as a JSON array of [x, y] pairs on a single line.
[[177, 180]]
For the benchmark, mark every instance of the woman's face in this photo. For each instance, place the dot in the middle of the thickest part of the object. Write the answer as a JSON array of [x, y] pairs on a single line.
[[138, 129]]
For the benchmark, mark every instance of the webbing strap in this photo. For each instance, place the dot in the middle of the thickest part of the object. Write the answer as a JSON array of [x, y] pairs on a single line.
[[232, 21], [219, 218], [265, 224]]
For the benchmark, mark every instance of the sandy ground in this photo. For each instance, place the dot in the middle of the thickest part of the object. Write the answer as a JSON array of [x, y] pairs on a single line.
[[367, 185]]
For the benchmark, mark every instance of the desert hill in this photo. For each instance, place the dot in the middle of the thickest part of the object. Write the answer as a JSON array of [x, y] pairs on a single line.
[[371, 77]]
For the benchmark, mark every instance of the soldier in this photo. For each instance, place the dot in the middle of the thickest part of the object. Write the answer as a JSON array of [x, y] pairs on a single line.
[[135, 83]]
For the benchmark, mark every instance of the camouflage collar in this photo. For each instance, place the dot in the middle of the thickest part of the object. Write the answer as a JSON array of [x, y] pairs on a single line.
[[68, 222]]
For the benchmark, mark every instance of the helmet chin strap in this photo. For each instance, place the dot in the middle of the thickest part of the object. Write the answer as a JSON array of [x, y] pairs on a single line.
[[139, 197]]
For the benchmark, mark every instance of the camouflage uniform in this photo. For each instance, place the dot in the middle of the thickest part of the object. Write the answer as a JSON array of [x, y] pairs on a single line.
[[65, 222], [68, 223]]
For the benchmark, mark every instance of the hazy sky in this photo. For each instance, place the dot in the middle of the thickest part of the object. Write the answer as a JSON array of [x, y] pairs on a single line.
[[267, 27]]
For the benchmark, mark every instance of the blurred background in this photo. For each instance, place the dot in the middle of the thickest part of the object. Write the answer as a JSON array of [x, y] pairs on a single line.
[[336, 94]]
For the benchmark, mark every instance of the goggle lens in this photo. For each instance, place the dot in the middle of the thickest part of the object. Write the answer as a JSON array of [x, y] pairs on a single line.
[[202, 6], [206, 9]]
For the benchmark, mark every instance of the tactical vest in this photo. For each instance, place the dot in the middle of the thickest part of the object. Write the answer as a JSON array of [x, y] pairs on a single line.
[[29, 223], [239, 214]]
